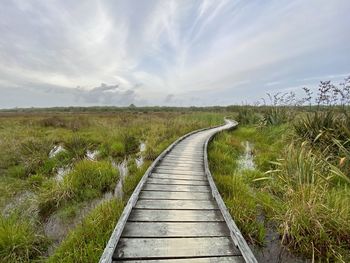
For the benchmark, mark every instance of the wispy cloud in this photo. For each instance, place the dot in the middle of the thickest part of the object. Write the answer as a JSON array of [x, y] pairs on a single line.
[[162, 52]]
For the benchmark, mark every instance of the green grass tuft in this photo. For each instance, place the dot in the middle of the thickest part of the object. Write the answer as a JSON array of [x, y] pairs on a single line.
[[88, 240], [19, 240]]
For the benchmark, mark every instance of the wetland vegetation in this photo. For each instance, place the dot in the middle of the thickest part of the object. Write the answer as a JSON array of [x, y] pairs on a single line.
[[298, 190], [66, 174], [59, 171]]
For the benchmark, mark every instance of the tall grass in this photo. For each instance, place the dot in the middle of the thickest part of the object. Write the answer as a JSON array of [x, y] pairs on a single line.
[[316, 218], [25, 165], [88, 240], [20, 241], [301, 192], [87, 180]]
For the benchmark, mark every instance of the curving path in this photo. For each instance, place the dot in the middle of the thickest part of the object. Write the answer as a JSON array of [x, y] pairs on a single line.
[[176, 213]]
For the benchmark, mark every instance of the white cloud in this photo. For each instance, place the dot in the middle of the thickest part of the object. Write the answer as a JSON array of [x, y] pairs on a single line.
[[227, 49]]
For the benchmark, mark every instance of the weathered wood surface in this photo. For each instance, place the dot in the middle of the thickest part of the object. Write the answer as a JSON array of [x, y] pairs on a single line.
[[173, 215], [151, 248]]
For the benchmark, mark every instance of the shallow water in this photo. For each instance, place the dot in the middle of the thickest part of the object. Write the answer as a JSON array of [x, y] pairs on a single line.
[[61, 172], [56, 150], [123, 172], [140, 160], [92, 155], [24, 202], [274, 251], [57, 229], [246, 160]]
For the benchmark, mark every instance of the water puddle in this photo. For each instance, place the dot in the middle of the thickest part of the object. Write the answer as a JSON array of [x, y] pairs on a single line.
[[57, 229], [24, 202], [123, 172], [61, 172], [56, 150], [246, 161], [92, 155], [140, 160], [142, 147], [274, 251]]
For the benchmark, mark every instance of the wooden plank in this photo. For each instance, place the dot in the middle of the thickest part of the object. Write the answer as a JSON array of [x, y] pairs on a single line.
[[176, 188], [180, 169], [183, 152], [152, 248], [187, 151], [225, 259], [183, 165], [147, 215], [177, 155], [175, 181], [177, 204], [174, 195], [184, 161], [176, 171], [179, 176], [175, 229]]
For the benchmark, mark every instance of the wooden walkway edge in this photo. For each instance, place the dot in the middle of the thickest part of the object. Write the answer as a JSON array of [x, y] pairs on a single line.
[[176, 213]]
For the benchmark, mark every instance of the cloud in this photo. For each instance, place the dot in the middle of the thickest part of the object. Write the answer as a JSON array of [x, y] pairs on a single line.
[[106, 95], [169, 98], [217, 51]]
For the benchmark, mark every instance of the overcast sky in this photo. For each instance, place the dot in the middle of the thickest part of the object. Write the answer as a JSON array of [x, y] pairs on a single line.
[[60, 53]]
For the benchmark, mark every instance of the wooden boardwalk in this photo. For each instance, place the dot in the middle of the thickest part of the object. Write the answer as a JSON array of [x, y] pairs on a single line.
[[176, 213]]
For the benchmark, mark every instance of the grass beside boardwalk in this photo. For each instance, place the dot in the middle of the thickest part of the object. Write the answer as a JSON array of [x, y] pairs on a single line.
[[88, 240], [298, 188], [31, 195]]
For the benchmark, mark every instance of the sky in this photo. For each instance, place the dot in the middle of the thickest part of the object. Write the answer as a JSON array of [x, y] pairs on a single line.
[[173, 53]]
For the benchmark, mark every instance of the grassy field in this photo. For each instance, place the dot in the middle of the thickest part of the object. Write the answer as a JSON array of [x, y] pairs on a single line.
[[58, 171], [284, 170], [299, 186]]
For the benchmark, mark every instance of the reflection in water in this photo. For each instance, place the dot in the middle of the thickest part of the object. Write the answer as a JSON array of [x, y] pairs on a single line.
[[246, 161], [61, 172], [55, 150], [123, 172], [91, 155]]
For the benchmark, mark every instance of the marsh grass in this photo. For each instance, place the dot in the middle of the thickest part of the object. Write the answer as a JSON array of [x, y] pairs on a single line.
[[27, 139], [20, 241], [86, 181], [88, 240], [296, 188]]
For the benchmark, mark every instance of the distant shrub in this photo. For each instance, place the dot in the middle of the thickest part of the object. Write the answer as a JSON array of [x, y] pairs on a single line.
[[73, 124], [275, 115], [321, 129], [247, 115]]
